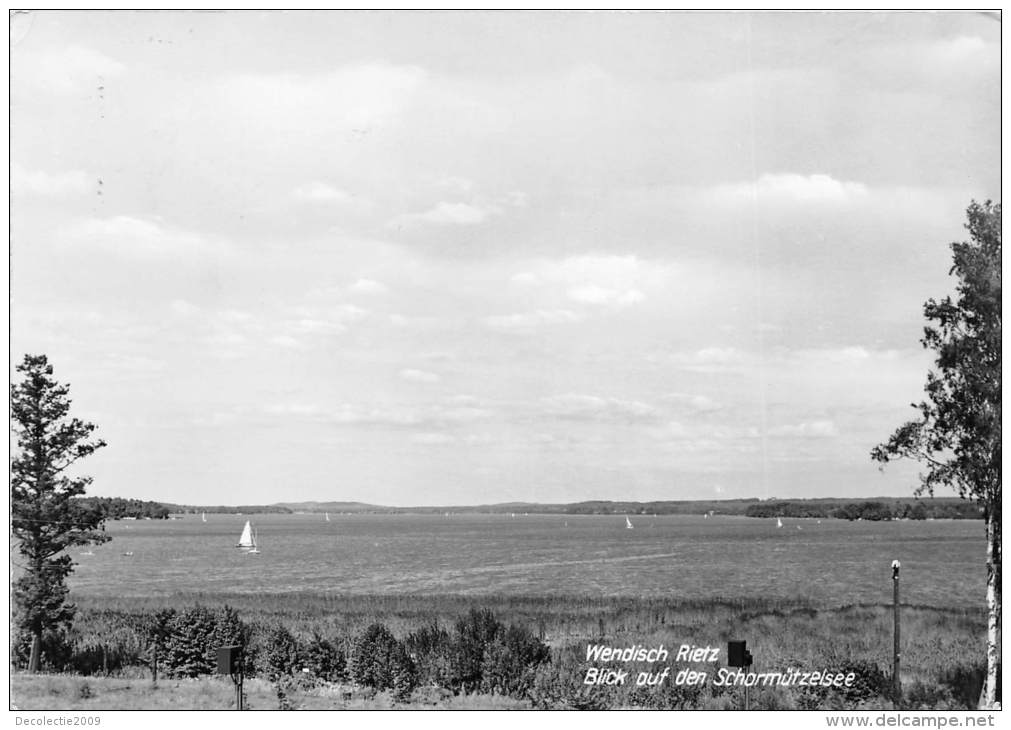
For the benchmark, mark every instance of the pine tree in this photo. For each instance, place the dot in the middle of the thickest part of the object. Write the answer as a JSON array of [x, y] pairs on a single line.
[[46, 520]]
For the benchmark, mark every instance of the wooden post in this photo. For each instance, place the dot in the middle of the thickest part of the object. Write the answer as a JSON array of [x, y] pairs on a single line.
[[896, 681]]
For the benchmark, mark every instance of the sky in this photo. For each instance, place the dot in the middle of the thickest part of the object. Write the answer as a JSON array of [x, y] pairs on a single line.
[[432, 258]]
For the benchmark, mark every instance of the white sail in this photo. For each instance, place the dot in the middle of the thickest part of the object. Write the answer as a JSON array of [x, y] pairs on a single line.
[[779, 522], [247, 536], [254, 549], [327, 515], [628, 524], [203, 517]]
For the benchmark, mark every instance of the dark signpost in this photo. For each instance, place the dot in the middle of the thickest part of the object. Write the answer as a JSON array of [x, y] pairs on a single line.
[[739, 656], [230, 663]]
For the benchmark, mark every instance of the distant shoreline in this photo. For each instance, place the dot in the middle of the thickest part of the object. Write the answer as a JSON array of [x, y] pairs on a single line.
[[874, 508], [871, 509]]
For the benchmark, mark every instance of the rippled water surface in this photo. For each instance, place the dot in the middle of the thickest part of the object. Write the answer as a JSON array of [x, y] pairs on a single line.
[[830, 562]]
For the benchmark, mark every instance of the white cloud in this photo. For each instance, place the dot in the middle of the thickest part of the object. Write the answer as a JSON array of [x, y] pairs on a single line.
[[525, 321], [419, 376], [433, 438], [55, 184], [517, 199], [402, 416], [66, 71], [592, 294], [814, 429], [320, 192], [141, 238], [525, 278], [601, 280], [355, 97], [369, 286], [184, 308], [456, 214], [720, 355], [788, 188], [309, 326], [575, 406], [697, 403]]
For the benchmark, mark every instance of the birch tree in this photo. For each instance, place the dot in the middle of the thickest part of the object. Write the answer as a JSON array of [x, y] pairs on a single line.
[[957, 432]]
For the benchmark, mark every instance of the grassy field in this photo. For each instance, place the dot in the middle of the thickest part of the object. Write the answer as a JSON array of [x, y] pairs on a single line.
[[76, 693], [942, 651]]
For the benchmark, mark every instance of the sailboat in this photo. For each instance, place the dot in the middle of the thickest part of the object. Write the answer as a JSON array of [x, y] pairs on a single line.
[[246, 539], [779, 522], [203, 517], [253, 549], [326, 516], [628, 523]]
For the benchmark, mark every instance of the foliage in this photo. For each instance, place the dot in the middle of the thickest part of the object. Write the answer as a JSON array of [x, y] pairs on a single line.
[[55, 649], [871, 511], [510, 660], [278, 653], [116, 508], [474, 633], [957, 435], [379, 661], [325, 659], [194, 635], [45, 518], [431, 650]]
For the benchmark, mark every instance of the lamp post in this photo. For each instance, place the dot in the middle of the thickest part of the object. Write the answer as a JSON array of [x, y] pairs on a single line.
[[897, 684]]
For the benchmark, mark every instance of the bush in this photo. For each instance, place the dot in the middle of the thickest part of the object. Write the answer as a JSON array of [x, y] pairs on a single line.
[[193, 636], [57, 650], [325, 659], [965, 683], [380, 661], [474, 633], [870, 684], [431, 649], [559, 686], [278, 655], [510, 660]]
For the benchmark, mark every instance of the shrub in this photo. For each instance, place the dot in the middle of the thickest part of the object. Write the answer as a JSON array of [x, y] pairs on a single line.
[[381, 662], [964, 683], [668, 695], [510, 660], [278, 654], [870, 684], [559, 686], [431, 649], [57, 650], [193, 636], [474, 633], [84, 691], [325, 659]]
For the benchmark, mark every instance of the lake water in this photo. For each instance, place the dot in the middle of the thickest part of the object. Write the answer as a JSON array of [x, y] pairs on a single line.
[[684, 557]]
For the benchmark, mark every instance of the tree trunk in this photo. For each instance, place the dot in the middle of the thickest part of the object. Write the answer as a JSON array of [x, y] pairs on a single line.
[[35, 658], [990, 698]]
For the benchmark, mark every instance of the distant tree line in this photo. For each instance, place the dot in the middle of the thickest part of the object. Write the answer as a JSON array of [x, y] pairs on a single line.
[[869, 510], [118, 508], [246, 509]]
